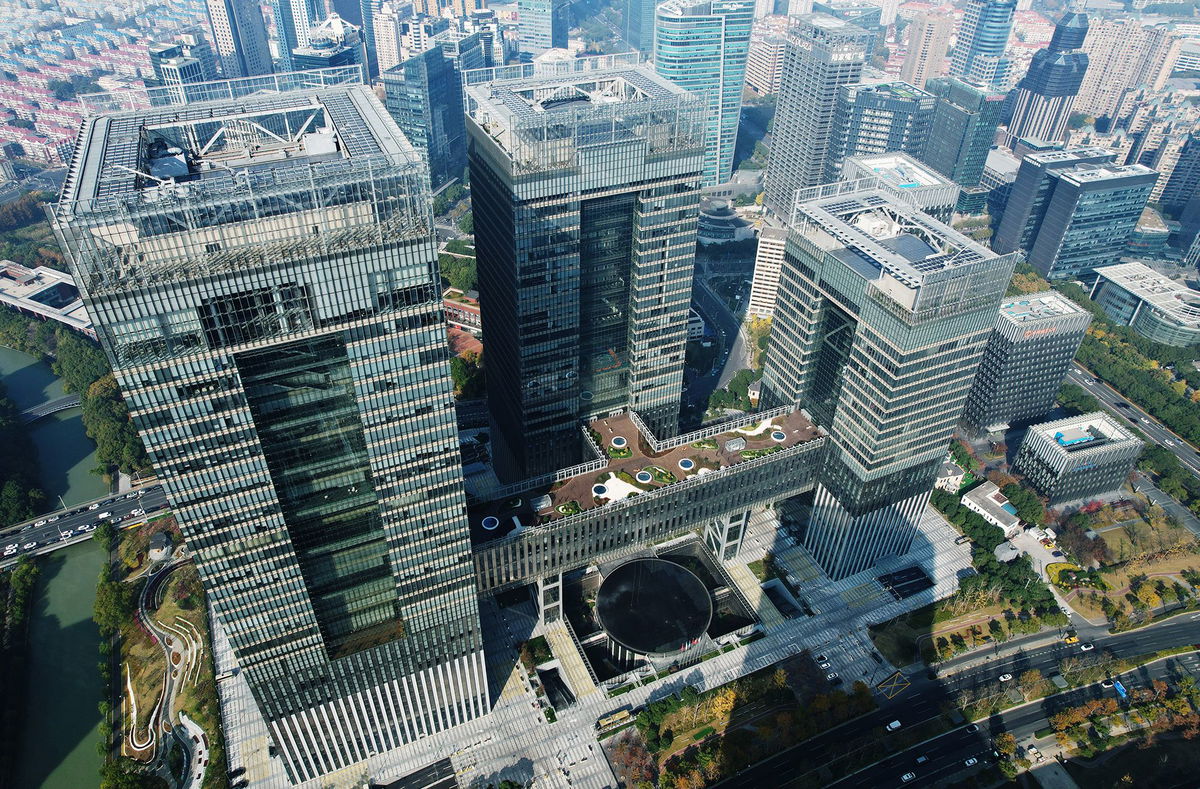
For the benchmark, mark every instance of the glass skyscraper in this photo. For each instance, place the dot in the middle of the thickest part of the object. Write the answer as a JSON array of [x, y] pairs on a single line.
[[1046, 94], [882, 117], [262, 273], [881, 318], [424, 96], [701, 45], [541, 25], [961, 134], [584, 186], [979, 51]]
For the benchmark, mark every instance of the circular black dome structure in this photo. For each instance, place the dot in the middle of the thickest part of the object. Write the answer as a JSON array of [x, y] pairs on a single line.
[[653, 607]]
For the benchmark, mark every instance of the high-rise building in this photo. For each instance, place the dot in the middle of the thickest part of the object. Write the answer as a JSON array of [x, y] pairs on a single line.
[[270, 304], [586, 241], [1184, 181], [860, 13], [764, 63], [982, 43], [293, 21], [882, 117], [1031, 193], [963, 130], [465, 8], [1026, 360], [331, 42], [1045, 95], [541, 25], [822, 55], [768, 257], [902, 176], [1089, 217], [639, 25], [240, 36], [387, 30], [881, 318], [928, 39], [189, 60], [1077, 458], [1123, 54], [701, 46], [465, 50], [424, 96]]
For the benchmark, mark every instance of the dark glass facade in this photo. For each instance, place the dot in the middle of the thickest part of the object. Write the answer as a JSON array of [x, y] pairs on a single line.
[[424, 96]]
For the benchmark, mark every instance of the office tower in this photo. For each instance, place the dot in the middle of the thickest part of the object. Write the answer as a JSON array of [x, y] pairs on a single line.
[[902, 176], [822, 55], [701, 46], [240, 36], [1045, 95], [387, 31], [1031, 193], [764, 62], [928, 40], [979, 51], [1184, 180], [187, 61], [1122, 56], [1091, 211], [364, 20], [332, 42], [1077, 458], [881, 117], [859, 13], [293, 21], [586, 241], [1026, 360], [1164, 161], [271, 308], [465, 51], [639, 25], [541, 25], [768, 257], [961, 135], [424, 96], [881, 318]]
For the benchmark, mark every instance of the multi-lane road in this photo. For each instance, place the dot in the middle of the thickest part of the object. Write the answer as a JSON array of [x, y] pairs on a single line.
[[922, 701], [54, 529], [1115, 402]]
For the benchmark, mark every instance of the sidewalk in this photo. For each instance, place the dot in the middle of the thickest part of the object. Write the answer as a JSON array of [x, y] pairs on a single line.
[[1009, 648]]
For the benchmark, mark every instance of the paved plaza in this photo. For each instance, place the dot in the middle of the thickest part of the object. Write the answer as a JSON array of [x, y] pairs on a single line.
[[516, 742]]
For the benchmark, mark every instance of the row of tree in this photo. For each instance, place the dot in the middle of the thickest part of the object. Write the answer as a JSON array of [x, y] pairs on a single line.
[[21, 496], [16, 598], [81, 365]]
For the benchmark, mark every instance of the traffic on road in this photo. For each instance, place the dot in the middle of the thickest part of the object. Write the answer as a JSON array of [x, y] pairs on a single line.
[[62, 526]]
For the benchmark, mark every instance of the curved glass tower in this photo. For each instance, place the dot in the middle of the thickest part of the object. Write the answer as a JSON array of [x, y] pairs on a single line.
[[702, 47], [979, 54]]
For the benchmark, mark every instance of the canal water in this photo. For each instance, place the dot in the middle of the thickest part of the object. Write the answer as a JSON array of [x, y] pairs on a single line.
[[65, 454], [58, 750], [59, 736]]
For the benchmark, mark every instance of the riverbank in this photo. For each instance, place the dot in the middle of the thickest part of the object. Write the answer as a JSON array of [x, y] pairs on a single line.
[[65, 454]]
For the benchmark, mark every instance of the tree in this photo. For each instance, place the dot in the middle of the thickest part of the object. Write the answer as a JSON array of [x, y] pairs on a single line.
[[106, 535], [467, 223], [1030, 682], [1006, 743], [113, 606]]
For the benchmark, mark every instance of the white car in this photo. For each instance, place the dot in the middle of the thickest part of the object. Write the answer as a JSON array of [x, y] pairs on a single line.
[[88, 527], [104, 515], [42, 522], [95, 506], [1005, 677], [9, 551], [971, 762], [893, 725], [137, 512], [52, 519], [29, 546], [908, 777], [1087, 647]]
